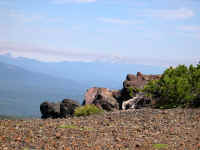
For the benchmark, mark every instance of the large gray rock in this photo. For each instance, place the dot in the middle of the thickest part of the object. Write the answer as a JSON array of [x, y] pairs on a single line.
[[67, 107], [102, 98]]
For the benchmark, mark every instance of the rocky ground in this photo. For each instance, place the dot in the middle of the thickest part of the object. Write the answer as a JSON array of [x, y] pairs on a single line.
[[143, 129]]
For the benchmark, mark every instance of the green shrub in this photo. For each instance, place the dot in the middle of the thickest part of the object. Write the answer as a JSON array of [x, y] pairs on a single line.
[[160, 146], [133, 90], [178, 86], [68, 126], [87, 110]]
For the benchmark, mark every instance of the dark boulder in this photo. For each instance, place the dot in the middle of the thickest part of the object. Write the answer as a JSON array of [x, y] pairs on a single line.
[[116, 94], [50, 110], [59, 109], [67, 107]]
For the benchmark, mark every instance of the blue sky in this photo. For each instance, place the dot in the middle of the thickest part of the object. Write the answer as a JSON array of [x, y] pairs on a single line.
[[151, 32]]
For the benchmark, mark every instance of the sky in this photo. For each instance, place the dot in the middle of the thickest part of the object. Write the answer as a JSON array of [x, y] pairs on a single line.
[[150, 32]]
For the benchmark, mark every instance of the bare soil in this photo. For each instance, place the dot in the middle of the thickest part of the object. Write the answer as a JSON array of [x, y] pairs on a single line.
[[142, 129]]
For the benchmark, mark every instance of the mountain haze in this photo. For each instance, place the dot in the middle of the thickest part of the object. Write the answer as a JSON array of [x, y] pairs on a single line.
[[101, 74], [25, 83], [22, 91]]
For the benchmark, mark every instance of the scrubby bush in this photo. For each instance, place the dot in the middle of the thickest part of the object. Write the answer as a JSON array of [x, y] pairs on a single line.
[[87, 110], [132, 91], [178, 86]]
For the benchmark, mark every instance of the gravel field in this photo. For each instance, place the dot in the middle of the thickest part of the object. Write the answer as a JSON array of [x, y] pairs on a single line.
[[142, 129]]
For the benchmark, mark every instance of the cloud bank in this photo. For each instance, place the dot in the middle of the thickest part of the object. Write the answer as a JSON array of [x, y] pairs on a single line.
[[50, 55]]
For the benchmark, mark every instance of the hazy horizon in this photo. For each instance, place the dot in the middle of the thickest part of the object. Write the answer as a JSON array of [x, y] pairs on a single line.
[[160, 33]]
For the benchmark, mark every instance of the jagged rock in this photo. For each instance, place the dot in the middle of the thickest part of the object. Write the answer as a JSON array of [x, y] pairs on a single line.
[[131, 77], [135, 82], [139, 80], [103, 104], [140, 100], [50, 110], [67, 107], [101, 97], [90, 95], [59, 109]]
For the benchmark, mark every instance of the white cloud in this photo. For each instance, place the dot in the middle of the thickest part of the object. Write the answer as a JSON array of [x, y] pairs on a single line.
[[118, 21], [72, 1], [47, 54], [52, 55], [182, 13]]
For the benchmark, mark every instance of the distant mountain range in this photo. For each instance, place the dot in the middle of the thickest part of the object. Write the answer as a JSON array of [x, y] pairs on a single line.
[[25, 83], [22, 91], [100, 74]]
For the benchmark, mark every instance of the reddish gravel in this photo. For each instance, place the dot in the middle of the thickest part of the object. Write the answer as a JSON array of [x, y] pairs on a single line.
[[144, 129]]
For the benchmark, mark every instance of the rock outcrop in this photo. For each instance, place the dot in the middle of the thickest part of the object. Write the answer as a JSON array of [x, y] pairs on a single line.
[[139, 80], [67, 107], [102, 98], [140, 100], [50, 110], [135, 82], [58, 110]]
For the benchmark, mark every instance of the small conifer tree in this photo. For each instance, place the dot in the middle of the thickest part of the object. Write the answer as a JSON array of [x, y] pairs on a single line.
[[178, 86]]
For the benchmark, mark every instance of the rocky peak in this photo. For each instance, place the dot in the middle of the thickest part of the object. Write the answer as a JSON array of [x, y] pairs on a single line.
[[138, 80]]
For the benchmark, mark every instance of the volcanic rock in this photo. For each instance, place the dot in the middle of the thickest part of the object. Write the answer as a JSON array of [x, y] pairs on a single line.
[[59, 109], [136, 82], [50, 110], [139, 80], [131, 77], [140, 100], [67, 107], [101, 97]]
